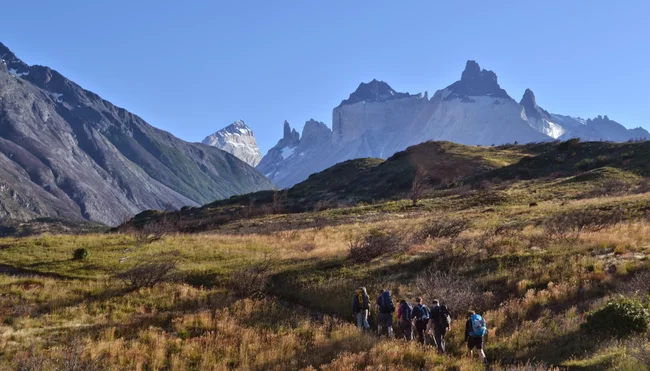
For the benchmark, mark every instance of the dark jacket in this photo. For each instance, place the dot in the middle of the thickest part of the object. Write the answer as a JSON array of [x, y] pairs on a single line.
[[358, 307], [420, 311]]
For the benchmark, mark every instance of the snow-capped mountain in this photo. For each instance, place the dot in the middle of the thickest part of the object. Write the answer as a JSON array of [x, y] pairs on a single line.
[[237, 139], [377, 121]]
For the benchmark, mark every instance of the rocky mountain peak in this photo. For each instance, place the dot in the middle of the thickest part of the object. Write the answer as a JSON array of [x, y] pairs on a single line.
[[474, 82], [237, 139], [315, 132], [374, 91], [529, 103], [291, 137]]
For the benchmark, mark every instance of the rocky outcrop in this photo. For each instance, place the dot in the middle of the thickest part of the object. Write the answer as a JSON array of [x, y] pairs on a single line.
[[66, 152], [237, 139], [377, 121]]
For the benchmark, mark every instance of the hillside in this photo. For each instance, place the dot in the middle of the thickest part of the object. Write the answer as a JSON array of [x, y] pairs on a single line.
[[456, 175], [67, 153]]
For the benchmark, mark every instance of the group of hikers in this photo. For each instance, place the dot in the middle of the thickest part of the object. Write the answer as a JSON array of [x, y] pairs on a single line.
[[418, 318]]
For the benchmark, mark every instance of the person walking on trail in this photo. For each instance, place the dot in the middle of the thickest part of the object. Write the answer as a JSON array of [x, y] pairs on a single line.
[[441, 322], [475, 330], [361, 308], [385, 307], [405, 320], [421, 316]]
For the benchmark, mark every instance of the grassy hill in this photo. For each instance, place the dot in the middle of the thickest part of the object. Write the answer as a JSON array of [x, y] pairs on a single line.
[[265, 286]]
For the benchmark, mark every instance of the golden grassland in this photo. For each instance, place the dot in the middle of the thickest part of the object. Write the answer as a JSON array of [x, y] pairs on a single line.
[[61, 313]]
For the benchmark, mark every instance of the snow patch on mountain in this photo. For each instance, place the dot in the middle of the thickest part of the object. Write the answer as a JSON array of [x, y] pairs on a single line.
[[237, 139]]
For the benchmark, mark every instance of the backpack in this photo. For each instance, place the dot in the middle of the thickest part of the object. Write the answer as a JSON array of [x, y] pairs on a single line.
[[387, 305], [421, 312], [359, 295], [445, 316], [407, 312], [479, 327]]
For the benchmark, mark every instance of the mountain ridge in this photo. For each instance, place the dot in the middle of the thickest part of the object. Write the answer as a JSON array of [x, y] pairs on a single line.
[[377, 121]]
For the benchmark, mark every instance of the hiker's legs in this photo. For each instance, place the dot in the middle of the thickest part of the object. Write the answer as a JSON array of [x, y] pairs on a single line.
[[439, 335], [359, 320], [366, 325], [407, 330], [387, 320], [421, 329]]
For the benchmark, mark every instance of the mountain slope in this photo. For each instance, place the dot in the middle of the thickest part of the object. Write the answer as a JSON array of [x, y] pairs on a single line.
[[68, 153], [237, 139]]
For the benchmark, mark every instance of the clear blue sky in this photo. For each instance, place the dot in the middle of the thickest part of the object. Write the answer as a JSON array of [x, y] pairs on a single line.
[[192, 67]]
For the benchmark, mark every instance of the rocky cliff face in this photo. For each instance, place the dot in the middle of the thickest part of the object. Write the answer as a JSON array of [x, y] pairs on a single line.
[[377, 121], [66, 152], [237, 139]]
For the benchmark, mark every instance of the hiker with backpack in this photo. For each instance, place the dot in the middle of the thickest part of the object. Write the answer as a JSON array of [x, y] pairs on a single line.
[[385, 309], [405, 321], [475, 330], [421, 316], [441, 322], [361, 308]]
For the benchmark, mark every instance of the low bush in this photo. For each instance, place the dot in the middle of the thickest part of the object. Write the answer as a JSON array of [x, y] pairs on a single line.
[[441, 228], [150, 270], [621, 317], [375, 244], [252, 281], [80, 254]]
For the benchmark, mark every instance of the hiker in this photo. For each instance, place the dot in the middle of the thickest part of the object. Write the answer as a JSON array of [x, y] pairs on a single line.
[[475, 329], [421, 316], [361, 308], [405, 321], [441, 322], [385, 307]]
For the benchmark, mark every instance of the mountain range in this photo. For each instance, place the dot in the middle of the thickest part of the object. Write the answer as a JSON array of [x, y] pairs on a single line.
[[66, 152], [376, 121]]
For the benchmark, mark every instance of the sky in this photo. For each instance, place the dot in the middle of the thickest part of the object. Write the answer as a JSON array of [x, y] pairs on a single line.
[[193, 67]]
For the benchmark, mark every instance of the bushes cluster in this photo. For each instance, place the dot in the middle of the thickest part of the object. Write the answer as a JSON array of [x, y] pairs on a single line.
[[570, 224], [621, 317], [375, 244]]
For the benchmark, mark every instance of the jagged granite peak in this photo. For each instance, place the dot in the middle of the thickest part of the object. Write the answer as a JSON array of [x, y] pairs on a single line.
[[313, 132], [66, 152], [529, 103], [374, 91], [290, 137], [237, 139], [475, 82]]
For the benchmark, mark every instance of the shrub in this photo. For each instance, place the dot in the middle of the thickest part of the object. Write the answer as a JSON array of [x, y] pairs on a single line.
[[150, 232], [621, 318], [446, 228], [375, 244], [570, 224], [457, 292], [150, 270], [80, 254], [251, 281]]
